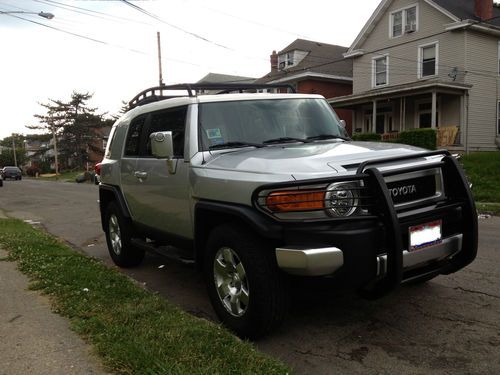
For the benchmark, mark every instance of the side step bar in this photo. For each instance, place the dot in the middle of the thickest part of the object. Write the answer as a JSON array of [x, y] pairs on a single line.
[[169, 252]]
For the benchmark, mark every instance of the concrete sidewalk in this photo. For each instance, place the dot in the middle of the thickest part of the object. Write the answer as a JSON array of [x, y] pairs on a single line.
[[33, 339]]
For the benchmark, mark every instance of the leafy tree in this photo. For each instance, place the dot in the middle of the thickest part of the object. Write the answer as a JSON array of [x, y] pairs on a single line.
[[15, 141], [75, 125], [7, 157]]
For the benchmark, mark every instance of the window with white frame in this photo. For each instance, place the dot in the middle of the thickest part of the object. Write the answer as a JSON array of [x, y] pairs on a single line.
[[403, 21], [428, 60], [289, 58], [380, 71], [498, 65]]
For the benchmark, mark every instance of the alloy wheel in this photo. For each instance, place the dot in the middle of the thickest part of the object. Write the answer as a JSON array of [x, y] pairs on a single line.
[[231, 281], [115, 235]]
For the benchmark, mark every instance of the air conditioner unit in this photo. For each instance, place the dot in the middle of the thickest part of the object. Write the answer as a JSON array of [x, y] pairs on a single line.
[[410, 28], [282, 65]]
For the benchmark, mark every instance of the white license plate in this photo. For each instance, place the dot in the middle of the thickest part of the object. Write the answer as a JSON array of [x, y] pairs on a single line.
[[425, 235]]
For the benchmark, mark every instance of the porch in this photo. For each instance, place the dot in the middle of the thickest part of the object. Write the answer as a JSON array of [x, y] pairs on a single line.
[[388, 111]]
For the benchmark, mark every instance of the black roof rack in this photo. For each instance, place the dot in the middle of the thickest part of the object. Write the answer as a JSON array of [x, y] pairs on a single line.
[[154, 94]]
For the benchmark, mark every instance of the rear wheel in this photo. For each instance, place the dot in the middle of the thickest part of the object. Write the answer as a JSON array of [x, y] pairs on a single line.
[[248, 291], [118, 237]]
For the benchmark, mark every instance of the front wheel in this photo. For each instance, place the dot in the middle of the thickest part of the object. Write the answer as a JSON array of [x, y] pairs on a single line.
[[248, 291], [118, 238]]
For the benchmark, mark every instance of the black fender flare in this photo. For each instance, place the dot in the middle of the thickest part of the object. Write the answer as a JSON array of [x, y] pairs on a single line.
[[105, 191]]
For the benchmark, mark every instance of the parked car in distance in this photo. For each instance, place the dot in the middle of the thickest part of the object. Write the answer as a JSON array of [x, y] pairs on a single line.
[[11, 172]]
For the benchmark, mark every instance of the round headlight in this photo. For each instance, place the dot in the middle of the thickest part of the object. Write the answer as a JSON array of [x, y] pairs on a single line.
[[342, 198]]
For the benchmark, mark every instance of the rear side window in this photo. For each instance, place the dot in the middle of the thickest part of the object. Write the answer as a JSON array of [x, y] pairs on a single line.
[[133, 136], [111, 138]]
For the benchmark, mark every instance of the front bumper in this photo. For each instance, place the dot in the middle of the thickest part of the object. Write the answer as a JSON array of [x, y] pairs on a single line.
[[374, 251], [327, 260]]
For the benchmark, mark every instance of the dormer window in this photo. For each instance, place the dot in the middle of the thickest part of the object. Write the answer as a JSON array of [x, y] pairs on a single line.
[[403, 21], [290, 59]]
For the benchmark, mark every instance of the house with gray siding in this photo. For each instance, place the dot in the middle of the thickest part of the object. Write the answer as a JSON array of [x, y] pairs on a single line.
[[429, 64]]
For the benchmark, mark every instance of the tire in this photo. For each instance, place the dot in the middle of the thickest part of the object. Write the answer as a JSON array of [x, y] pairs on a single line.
[[118, 237], [248, 291]]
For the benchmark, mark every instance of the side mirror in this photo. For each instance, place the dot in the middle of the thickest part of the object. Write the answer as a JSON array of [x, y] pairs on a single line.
[[162, 145], [343, 123]]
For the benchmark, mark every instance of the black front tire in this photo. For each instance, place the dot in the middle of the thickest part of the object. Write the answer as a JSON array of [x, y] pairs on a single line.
[[118, 237], [248, 291]]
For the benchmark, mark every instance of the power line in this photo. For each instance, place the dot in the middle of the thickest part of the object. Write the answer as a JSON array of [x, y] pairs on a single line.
[[138, 8], [254, 22], [89, 12]]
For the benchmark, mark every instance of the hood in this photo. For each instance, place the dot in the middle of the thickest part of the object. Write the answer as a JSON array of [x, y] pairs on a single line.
[[309, 160]]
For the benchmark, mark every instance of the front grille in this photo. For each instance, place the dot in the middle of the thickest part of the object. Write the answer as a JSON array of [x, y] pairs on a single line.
[[419, 186], [412, 189]]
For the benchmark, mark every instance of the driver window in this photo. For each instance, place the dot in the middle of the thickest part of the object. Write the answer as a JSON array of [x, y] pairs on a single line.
[[173, 120]]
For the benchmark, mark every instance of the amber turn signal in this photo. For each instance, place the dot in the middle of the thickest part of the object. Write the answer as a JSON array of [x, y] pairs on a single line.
[[283, 201]]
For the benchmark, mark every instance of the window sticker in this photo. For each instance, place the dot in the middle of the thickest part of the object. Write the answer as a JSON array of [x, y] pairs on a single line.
[[215, 136], [214, 133]]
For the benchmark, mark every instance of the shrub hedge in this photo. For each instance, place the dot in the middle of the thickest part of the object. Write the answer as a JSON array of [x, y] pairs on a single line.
[[366, 137], [425, 138]]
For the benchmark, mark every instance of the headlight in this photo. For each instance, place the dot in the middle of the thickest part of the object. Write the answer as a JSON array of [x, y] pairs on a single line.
[[342, 198]]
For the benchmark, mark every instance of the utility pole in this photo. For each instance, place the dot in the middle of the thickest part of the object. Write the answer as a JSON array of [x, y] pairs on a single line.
[[159, 57], [14, 151], [54, 138]]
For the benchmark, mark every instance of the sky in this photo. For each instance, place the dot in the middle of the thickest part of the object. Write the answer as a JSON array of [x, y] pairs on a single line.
[[109, 47]]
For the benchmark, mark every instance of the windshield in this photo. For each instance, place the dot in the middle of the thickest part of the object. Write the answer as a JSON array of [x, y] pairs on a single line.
[[257, 121]]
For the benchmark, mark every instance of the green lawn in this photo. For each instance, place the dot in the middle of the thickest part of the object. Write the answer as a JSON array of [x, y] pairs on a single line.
[[69, 176], [133, 330], [483, 171]]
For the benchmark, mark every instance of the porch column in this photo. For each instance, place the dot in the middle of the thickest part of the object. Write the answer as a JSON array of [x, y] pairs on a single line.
[[434, 106], [374, 117], [402, 114], [462, 120]]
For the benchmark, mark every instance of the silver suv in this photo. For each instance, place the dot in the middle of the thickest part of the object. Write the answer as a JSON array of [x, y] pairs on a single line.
[[255, 188]]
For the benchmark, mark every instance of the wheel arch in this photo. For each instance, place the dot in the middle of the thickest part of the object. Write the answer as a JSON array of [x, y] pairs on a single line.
[[110, 193], [209, 214]]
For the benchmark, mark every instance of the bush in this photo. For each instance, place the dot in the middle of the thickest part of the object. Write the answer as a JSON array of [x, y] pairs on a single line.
[[32, 171], [366, 137], [425, 138]]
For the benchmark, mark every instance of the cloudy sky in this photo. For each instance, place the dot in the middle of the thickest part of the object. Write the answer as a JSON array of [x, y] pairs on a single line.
[[109, 48]]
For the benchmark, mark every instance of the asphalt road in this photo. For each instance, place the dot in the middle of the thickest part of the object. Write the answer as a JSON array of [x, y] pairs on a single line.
[[450, 325]]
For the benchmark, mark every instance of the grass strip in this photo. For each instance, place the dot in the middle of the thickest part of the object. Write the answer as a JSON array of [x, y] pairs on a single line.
[[483, 171], [133, 330]]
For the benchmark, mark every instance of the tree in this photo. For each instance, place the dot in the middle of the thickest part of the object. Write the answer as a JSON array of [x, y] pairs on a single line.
[[75, 126], [16, 142]]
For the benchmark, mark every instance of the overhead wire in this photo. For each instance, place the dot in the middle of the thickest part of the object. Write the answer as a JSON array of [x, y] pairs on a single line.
[[195, 35], [90, 12]]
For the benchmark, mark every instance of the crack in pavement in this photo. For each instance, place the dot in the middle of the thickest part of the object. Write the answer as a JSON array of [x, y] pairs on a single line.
[[476, 292]]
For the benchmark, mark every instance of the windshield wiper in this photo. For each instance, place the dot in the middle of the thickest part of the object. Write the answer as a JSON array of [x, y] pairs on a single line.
[[285, 140], [235, 144], [326, 136]]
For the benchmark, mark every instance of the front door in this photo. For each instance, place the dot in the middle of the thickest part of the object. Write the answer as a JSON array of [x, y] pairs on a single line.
[[158, 199]]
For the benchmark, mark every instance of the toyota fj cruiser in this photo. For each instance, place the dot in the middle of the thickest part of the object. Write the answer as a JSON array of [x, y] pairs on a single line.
[[259, 186]]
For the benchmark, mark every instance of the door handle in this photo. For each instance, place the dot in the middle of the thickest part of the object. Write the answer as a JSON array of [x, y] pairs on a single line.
[[141, 175]]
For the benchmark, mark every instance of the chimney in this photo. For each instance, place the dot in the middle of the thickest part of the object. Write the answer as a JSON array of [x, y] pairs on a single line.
[[274, 62], [483, 9]]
